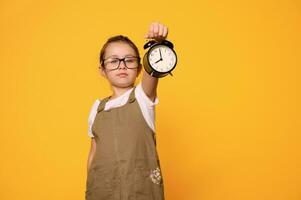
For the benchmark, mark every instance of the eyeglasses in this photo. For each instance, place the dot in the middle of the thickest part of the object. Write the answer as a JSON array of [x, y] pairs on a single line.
[[114, 63]]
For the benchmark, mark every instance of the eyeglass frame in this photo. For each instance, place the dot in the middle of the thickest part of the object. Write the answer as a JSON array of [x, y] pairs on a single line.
[[121, 59]]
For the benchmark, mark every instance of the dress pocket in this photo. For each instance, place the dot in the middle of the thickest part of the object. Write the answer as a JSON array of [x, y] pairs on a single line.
[[143, 184], [104, 186]]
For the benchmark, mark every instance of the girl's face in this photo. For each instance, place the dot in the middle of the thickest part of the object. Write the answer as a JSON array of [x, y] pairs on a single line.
[[120, 50]]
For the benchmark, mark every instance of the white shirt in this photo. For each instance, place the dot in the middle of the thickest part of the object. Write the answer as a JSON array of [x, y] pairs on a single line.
[[147, 107]]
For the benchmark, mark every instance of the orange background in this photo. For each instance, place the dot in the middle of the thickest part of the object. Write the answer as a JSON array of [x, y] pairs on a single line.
[[228, 121]]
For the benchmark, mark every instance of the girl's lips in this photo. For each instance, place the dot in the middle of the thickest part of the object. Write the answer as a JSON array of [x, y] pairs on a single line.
[[122, 74]]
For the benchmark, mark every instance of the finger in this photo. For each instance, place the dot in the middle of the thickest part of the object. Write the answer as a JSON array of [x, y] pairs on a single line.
[[161, 29], [156, 29], [165, 32], [151, 34], [151, 30]]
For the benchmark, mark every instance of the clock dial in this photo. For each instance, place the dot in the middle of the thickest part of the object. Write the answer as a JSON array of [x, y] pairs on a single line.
[[162, 58]]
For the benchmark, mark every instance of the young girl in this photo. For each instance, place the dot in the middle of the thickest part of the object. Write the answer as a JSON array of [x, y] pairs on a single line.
[[123, 163]]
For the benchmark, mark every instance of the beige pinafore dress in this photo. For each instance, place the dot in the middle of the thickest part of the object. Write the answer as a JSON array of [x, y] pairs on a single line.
[[126, 165]]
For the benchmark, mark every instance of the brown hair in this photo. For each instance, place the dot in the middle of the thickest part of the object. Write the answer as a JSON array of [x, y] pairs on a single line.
[[117, 38]]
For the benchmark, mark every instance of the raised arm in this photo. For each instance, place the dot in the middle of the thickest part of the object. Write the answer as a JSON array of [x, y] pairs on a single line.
[[149, 84]]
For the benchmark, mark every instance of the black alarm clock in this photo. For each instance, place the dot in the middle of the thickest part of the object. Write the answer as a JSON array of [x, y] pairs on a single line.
[[160, 59]]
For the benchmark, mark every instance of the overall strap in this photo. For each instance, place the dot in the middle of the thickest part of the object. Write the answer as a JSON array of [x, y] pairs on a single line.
[[102, 104], [132, 96]]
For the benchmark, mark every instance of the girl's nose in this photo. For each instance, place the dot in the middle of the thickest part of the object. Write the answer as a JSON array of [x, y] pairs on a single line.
[[122, 64]]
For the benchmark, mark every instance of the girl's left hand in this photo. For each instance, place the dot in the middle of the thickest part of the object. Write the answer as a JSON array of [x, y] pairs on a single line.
[[157, 31]]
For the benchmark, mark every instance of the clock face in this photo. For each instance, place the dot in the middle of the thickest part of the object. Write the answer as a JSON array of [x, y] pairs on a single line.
[[162, 58]]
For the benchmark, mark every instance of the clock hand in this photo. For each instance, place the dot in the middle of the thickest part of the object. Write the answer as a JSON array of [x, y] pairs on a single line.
[[160, 54], [158, 60]]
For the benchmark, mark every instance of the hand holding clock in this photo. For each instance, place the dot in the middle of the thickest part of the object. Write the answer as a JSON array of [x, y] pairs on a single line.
[[157, 31]]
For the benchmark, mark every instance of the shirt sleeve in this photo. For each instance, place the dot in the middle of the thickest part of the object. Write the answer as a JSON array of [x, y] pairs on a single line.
[[140, 92], [91, 117]]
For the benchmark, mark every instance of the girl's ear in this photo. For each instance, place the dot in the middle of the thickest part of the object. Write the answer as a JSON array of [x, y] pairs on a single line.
[[102, 71]]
